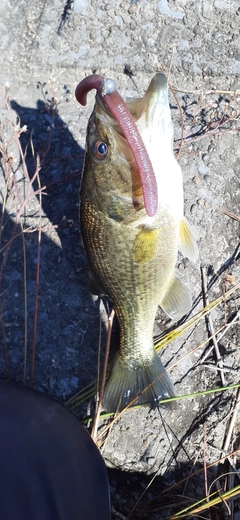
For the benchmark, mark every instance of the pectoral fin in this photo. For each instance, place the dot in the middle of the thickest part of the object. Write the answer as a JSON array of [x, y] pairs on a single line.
[[145, 245], [187, 243], [177, 300]]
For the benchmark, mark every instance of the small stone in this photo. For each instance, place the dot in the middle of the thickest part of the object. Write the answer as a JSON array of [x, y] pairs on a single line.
[[196, 29], [150, 460], [200, 202], [132, 9], [185, 262], [202, 168], [196, 180], [193, 209], [205, 157]]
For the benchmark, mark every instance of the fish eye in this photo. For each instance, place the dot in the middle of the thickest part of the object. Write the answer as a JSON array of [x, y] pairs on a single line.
[[100, 150]]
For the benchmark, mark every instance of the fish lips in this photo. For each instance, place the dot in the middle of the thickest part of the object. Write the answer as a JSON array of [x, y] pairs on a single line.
[[152, 112], [152, 116], [154, 105]]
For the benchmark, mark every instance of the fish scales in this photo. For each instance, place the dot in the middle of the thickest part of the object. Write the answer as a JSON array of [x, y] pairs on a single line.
[[131, 255]]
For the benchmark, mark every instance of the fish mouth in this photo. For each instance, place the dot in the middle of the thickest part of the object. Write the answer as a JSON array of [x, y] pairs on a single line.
[[152, 119], [152, 116], [152, 112]]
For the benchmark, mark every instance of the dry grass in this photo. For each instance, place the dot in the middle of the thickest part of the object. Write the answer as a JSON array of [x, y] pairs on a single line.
[[17, 195]]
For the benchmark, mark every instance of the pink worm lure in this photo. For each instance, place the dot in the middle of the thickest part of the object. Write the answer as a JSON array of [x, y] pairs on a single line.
[[106, 90]]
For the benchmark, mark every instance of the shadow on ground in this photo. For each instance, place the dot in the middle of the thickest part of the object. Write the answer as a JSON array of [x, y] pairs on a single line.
[[68, 323]]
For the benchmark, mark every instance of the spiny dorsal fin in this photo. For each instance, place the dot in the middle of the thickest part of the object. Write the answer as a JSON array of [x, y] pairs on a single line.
[[177, 300], [187, 242]]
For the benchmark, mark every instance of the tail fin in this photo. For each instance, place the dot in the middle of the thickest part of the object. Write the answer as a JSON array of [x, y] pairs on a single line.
[[148, 381]]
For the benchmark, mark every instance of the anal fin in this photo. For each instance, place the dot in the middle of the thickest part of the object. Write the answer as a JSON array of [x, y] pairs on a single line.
[[177, 300]]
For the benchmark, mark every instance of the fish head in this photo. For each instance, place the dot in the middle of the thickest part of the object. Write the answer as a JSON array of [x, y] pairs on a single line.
[[110, 175], [112, 172]]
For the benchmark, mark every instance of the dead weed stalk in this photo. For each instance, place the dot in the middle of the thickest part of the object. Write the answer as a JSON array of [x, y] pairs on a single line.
[[15, 196]]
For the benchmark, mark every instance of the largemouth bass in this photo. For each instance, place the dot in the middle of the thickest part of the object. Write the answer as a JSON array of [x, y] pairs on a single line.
[[132, 225]]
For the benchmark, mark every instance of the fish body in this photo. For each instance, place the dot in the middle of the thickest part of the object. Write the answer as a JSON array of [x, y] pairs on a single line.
[[132, 255]]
